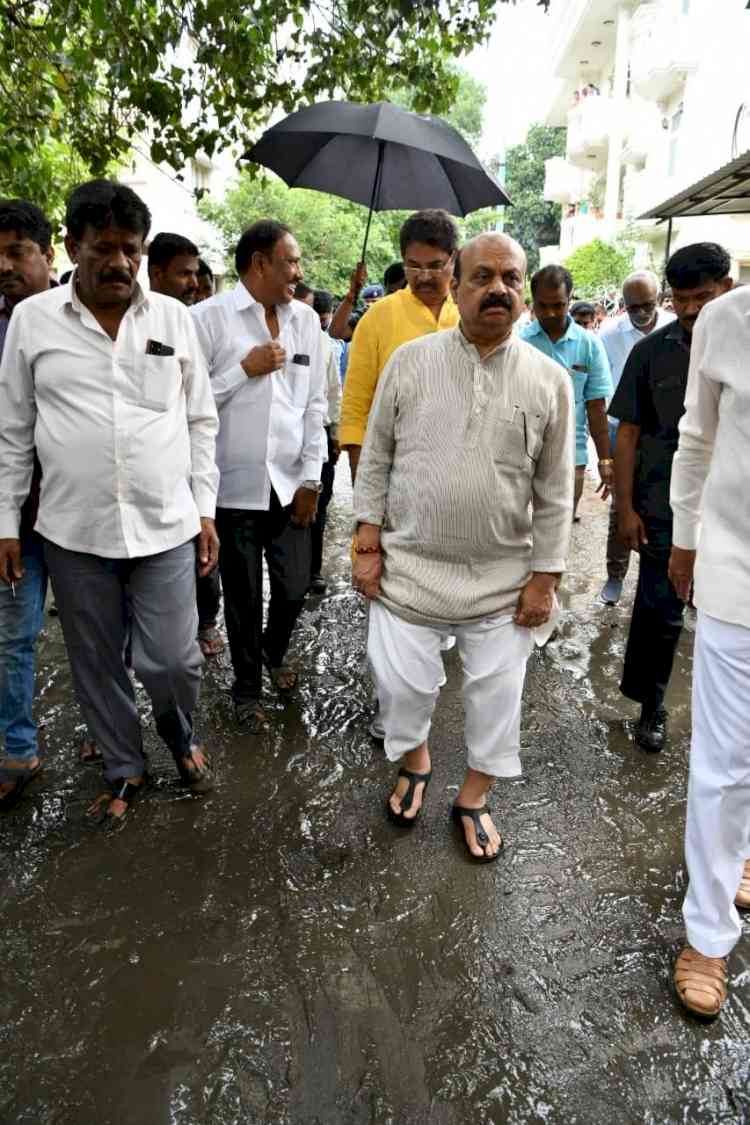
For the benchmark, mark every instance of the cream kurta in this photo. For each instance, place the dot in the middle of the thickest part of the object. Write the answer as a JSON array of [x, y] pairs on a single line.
[[467, 466]]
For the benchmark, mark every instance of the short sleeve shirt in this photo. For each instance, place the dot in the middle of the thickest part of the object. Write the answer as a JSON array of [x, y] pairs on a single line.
[[582, 355], [651, 394]]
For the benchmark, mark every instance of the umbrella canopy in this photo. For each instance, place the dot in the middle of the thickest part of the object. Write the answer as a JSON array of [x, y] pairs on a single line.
[[380, 155]]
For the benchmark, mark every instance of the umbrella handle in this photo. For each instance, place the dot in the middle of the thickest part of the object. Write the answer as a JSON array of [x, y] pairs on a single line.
[[374, 199]]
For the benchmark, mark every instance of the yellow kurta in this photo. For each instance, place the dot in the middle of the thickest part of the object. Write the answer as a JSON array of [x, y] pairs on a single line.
[[391, 322]]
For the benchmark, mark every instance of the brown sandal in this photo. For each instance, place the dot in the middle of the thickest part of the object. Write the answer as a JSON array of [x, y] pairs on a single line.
[[211, 641], [701, 982], [89, 753], [742, 898]]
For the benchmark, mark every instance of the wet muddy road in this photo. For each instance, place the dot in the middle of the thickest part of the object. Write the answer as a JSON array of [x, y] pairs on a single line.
[[279, 953]]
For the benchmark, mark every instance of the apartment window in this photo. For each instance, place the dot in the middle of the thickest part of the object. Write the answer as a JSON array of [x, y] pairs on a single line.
[[201, 176], [686, 7]]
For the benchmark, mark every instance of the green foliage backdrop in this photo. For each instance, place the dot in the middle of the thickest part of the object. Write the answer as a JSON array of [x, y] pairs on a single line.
[[598, 266]]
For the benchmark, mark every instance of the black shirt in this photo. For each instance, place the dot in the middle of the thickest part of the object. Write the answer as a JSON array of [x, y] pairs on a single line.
[[651, 394]]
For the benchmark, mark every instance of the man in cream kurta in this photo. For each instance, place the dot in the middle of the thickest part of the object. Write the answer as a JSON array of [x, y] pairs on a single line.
[[463, 503]]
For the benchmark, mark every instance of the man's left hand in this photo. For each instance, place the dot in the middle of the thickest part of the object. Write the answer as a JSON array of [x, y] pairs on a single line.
[[304, 507], [208, 547], [536, 601], [681, 567], [606, 484], [335, 451]]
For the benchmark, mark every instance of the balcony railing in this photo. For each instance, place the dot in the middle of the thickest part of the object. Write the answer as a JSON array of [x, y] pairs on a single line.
[[562, 182], [664, 51], [589, 125]]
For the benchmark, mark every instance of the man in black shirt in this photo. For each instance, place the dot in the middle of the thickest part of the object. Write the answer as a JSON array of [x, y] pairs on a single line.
[[649, 403]]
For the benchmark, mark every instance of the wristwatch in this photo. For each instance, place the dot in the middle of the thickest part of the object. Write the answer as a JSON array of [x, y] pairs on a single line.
[[313, 485]]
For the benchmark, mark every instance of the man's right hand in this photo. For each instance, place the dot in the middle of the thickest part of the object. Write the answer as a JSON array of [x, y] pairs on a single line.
[[631, 530], [11, 569], [357, 281], [264, 359]]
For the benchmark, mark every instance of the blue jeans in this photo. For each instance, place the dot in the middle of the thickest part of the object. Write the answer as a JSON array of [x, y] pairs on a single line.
[[21, 620]]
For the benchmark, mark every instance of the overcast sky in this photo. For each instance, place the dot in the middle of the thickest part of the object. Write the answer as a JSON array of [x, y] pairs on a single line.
[[514, 67]]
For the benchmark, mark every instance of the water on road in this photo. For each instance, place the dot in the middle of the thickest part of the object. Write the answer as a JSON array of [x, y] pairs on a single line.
[[279, 953]]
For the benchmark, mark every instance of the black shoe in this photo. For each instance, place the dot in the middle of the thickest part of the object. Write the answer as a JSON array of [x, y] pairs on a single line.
[[651, 731], [318, 585]]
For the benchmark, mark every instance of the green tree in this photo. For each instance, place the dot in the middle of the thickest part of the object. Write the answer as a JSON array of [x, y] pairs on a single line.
[[599, 265], [466, 109], [208, 74], [329, 230], [531, 219]]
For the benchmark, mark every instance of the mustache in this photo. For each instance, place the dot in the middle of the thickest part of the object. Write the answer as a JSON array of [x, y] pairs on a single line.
[[495, 300], [115, 275], [6, 278]]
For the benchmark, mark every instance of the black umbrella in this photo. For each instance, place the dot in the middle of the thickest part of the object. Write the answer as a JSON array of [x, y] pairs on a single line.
[[379, 155]]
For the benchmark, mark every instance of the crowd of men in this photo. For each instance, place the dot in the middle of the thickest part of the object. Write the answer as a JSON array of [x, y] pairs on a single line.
[[158, 445]]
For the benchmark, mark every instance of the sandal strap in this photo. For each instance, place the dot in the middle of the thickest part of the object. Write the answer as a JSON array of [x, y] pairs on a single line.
[[701, 977], [124, 790], [474, 815], [414, 780]]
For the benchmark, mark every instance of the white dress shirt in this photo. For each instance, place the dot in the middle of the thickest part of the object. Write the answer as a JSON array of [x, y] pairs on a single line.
[[270, 427], [125, 439], [333, 385], [620, 336], [711, 469]]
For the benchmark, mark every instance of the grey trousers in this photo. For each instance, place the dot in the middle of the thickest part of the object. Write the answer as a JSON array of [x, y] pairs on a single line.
[[89, 591]]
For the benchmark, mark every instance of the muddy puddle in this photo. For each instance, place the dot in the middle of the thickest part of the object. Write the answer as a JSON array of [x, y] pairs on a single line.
[[278, 953]]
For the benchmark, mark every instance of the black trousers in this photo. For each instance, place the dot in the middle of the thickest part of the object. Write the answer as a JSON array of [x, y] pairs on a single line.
[[246, 536], [327, 477], [656, 623], [209, 597]]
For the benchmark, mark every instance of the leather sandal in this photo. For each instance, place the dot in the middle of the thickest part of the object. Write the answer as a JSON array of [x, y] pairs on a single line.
[[458, 812], [701, 982], [198, 779], [407, 800], [121, 790], [211, 641], [742, 898], [19, 777]]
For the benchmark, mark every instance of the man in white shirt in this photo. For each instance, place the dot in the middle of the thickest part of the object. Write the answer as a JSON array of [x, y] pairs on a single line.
[[711, 534], [265, 357], [642, 315], [173, 266], [323, 306], [110, 386]]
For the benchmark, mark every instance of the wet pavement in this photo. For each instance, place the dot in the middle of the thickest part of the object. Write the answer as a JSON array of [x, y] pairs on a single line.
[[279, 953]]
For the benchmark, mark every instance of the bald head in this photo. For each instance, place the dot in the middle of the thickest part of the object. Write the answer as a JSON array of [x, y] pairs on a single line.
[[484, 243], [488, 288], [640, 292]]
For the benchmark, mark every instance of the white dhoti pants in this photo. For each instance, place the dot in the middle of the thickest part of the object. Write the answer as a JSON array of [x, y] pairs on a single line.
[[717, 834], [408, 671]]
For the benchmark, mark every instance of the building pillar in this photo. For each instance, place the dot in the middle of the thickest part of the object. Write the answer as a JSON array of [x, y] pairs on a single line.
[[617, 132]]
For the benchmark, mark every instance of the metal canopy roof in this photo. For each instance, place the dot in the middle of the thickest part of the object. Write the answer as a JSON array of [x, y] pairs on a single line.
[[725, 192]]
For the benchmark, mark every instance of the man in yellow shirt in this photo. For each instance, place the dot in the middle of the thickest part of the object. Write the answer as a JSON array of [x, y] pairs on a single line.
[[429, 240]]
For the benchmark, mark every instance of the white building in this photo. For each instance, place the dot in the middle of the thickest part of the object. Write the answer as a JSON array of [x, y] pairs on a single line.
[[172, 200], [655, 96]]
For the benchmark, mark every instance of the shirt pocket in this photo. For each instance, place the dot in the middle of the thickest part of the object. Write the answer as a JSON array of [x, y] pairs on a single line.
[[161, 380], [294, 383], [669, 401], [510, 439]]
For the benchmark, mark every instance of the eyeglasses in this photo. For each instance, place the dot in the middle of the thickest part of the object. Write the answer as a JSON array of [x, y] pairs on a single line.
[[650, 307], [433, 269]]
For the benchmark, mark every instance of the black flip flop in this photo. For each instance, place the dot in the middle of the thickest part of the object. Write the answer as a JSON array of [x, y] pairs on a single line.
[[20, 778], [408, 798], [458, 812]]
